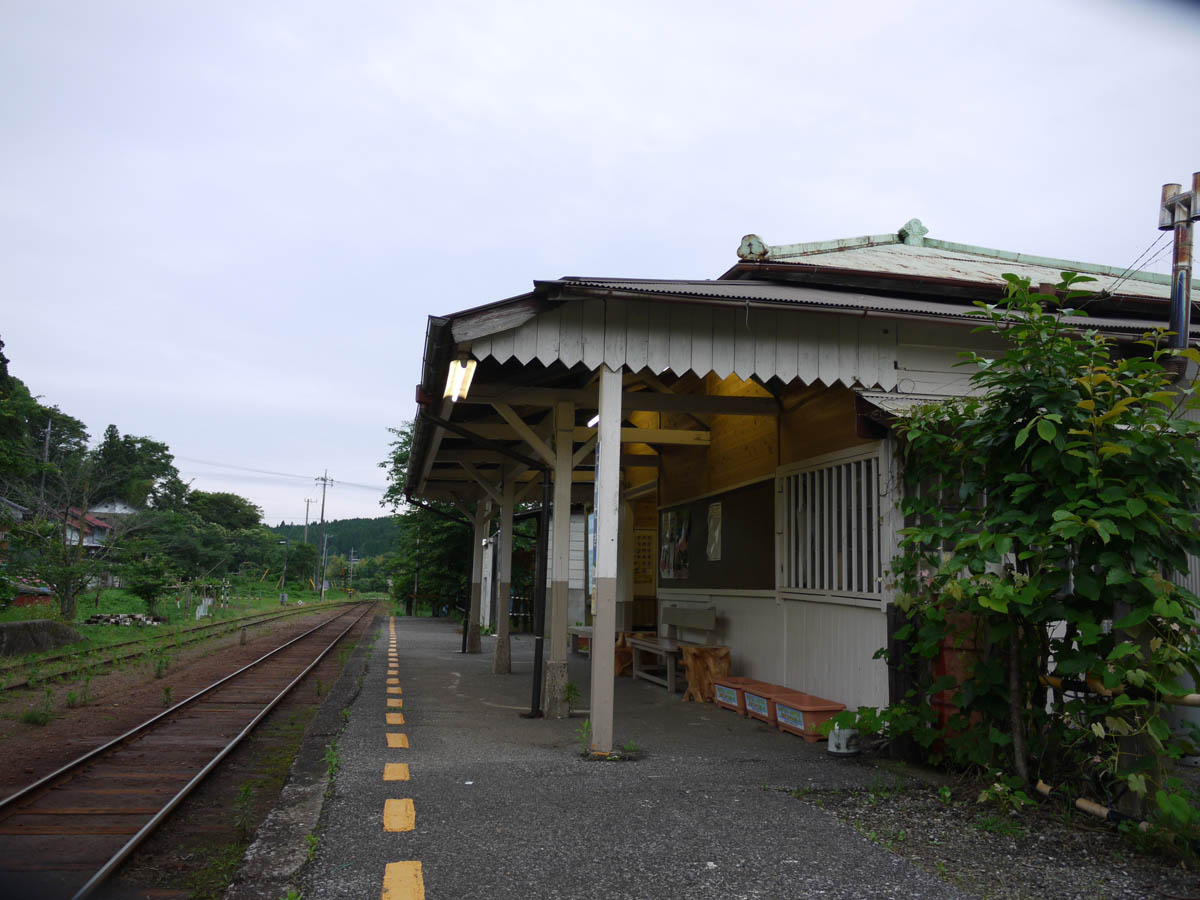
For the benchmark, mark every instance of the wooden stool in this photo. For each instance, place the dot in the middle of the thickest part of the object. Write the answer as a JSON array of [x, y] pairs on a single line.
[[623, 662], [701, 664]]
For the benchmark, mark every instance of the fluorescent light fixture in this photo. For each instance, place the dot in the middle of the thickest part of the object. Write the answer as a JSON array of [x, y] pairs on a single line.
[[458, 380], [594, 421]]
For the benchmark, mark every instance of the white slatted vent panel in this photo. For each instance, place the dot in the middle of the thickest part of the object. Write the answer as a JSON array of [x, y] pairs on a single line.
[[831, 529]]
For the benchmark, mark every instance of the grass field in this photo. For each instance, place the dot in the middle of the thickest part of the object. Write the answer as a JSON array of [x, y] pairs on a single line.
[[246, 597]]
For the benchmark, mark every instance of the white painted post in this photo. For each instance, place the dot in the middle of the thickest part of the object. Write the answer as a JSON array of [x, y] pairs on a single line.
[[556, 667], [608, 501], [482, 511], [502, 657]]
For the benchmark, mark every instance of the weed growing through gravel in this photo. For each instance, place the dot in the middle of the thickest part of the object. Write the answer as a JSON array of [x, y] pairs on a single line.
[[312, 841], [243, 811], [571, 695], [166, 696], [42, 713], [333, 760], [211, 882]]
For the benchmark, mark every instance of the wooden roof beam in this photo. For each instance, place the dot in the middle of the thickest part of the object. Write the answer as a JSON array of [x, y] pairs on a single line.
[[660, 399], [524, 432]]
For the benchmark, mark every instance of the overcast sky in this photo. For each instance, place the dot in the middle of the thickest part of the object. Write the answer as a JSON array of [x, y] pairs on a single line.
[[223, 225]]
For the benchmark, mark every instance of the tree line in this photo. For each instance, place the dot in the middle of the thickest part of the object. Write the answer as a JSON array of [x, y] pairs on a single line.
[[76, 517]]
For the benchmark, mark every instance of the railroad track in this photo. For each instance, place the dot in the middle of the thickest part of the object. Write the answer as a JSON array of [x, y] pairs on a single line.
[[63, 835], [103, 656]]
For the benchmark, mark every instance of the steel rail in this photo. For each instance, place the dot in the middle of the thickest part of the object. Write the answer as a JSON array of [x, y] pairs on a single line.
[[108, 868], [145, 726], [16, 804]]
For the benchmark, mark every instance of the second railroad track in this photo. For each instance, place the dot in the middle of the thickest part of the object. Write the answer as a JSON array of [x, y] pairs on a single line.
[[62, 836]]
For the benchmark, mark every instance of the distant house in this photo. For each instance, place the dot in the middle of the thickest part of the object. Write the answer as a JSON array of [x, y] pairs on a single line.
[[112, 509], [10, 513], [95, 531], [27, 593]]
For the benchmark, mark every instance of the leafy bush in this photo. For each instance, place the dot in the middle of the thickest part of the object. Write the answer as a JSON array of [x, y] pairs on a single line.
[[1043, 517]]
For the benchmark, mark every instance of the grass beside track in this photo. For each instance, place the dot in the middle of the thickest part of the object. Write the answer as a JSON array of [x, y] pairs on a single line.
[[106, 645]]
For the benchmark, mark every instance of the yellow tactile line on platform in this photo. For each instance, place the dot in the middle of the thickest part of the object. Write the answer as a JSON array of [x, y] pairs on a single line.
[[398, 815], [401, 880]]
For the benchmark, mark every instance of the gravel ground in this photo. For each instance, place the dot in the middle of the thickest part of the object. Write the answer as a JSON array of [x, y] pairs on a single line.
[[1037, 856]]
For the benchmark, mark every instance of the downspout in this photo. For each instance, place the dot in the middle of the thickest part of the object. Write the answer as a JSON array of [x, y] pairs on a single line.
[[539, 593]]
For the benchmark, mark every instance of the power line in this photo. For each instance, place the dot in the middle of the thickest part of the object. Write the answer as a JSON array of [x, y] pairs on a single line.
[[1130, 271], [220, 465]]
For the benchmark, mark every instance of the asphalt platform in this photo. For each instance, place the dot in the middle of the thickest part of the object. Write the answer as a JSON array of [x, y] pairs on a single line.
[[499, 806]]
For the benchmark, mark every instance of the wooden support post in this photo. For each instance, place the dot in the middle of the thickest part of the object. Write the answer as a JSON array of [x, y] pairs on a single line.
[[502, 658], [482, 512], [556, 666], [608, 501]]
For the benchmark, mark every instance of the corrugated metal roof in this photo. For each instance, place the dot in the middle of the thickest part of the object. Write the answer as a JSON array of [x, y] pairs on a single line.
[[935, 262], [834, 301], [909, 253]]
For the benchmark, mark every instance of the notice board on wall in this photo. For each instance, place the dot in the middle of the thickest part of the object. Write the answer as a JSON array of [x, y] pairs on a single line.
[[723, 541]]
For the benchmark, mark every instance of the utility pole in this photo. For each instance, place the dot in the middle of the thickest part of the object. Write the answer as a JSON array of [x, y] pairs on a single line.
[[306, 502], [324, 556], [324, 481], [1176, 213], [45, 464]]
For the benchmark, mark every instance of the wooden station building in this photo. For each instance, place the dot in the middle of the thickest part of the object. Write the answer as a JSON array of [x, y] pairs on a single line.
[[731, 436]]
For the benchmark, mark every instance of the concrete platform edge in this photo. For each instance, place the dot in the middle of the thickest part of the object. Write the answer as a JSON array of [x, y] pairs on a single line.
[[272, 864]]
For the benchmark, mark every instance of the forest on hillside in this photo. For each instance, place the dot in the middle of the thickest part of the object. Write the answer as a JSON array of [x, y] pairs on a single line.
[[366, 537]]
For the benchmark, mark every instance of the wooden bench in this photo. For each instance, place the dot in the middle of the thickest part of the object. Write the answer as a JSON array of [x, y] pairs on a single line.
[[665, 648]]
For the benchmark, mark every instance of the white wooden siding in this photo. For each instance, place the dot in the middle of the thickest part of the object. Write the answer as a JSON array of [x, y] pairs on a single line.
[[680, 337], [830, 650], [819, 648]]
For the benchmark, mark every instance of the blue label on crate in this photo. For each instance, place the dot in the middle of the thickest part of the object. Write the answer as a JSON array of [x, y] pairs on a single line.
[[726, 695], [789, 716], [756, 704]]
